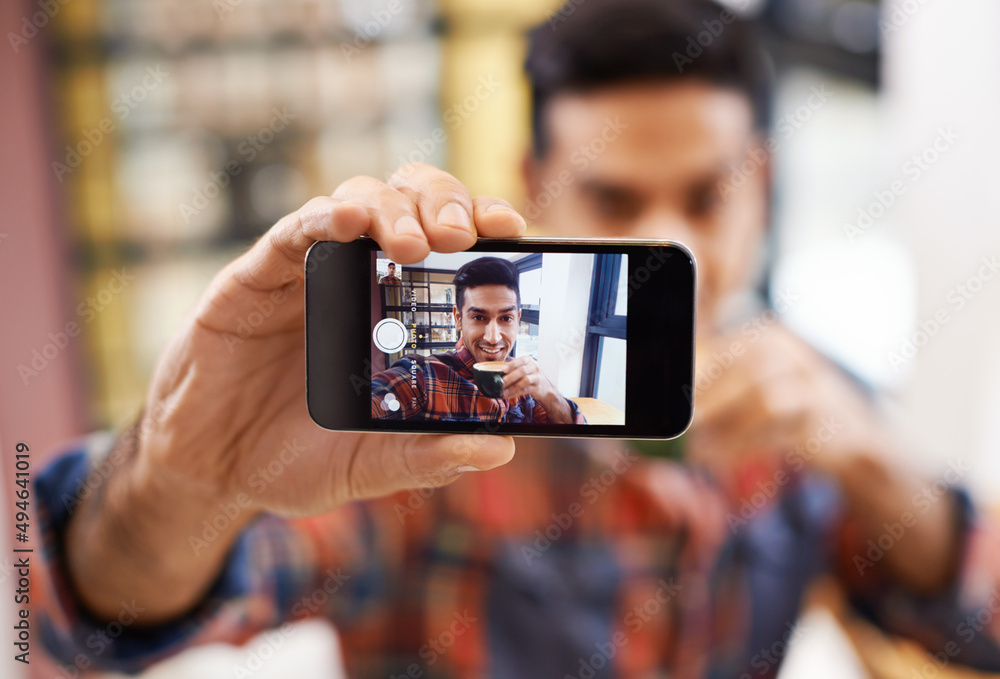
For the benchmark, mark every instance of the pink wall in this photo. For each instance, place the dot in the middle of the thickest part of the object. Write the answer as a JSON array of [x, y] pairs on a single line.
[[35, 297]]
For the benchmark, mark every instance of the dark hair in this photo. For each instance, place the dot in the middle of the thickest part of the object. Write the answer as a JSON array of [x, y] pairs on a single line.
[[486, 271], [591, 44], [392, 264]]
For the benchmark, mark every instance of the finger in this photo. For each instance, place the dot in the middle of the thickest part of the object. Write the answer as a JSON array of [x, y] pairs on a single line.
[[525, 385], [444, 205], [395, 220], [496, 218], [396, 462], [512, 376], [276, 259]]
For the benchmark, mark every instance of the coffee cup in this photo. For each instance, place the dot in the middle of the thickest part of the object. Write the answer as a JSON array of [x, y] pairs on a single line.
[[489, 377]]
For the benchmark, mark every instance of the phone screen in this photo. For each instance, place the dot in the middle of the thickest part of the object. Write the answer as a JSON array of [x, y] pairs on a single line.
[[529, 337], [533, 338]]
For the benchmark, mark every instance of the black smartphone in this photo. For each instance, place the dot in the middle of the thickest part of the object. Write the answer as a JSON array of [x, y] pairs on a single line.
[[530, 337]]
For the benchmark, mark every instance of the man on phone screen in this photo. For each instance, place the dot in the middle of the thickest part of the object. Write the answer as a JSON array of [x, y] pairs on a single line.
[[390, 278], [443, 386]]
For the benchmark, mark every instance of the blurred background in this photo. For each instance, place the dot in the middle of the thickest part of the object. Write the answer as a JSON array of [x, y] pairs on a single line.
[[146, 143]]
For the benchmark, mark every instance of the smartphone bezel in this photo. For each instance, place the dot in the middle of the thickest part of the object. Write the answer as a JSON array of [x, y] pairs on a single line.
[[661, 324]]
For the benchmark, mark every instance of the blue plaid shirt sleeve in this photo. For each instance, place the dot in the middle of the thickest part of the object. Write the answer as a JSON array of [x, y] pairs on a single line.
[[277, 571]]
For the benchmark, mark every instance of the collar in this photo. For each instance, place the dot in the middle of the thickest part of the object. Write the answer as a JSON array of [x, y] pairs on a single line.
[[465, 356]]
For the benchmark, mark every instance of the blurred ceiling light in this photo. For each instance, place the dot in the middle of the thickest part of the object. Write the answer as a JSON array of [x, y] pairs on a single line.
[[745, 8]]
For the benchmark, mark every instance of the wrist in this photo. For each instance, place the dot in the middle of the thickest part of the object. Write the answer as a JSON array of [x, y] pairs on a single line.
[[149, 534]]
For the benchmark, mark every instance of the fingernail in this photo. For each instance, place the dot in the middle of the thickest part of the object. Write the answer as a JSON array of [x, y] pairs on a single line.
[[466, 468], [407, 226], [455, 215], [500, 206]]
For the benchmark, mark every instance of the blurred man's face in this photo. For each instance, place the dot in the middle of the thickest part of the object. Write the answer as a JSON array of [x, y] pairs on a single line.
[[392, 269], [655, 160], [489, 320]]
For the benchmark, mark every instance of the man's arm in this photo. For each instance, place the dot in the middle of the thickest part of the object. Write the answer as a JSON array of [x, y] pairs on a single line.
[[277, 570], [141, 511], [786, 404], [912, 552], [883, 504], [226, 413]]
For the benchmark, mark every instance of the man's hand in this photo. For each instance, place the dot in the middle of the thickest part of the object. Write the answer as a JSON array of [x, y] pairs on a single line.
[[775, 402], [523, 377], [226, 409], [770, 395]]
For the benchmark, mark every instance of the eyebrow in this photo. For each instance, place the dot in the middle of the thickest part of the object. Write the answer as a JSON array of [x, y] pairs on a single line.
[[602, 186], [477, 310], [597, 185]]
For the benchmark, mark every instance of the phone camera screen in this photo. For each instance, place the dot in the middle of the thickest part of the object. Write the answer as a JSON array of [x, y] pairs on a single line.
[[500, 337]]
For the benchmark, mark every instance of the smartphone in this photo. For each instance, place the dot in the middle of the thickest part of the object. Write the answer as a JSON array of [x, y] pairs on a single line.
[[529, 337]]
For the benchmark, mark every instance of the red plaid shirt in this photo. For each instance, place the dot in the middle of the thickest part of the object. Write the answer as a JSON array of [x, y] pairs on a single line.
[[578, 559], [441, 387]]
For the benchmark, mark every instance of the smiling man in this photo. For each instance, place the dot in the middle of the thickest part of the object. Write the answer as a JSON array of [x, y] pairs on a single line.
[[574, 558], [442, 387]]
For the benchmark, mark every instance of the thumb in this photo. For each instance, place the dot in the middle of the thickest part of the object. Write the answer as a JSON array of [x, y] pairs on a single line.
[[404, 461]]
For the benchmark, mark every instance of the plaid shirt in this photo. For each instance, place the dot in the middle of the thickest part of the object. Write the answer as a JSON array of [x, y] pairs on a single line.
[[441, 387], [576, 560]]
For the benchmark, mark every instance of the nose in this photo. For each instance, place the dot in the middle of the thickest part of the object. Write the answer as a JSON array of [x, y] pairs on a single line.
[[492, 332]]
